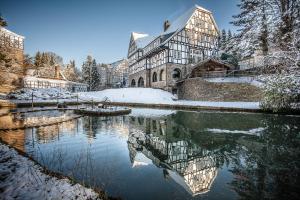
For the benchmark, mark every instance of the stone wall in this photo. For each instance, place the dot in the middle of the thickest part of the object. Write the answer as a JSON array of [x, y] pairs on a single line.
[[161, 83], [136, 77], [171, 82], [201, 90]]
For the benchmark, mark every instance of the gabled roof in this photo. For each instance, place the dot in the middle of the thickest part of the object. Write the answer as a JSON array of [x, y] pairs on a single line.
[[179, 23], [4, 30], [142, 39]]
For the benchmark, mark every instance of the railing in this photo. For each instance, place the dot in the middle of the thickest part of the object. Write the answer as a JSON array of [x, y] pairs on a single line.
[[47, 84]]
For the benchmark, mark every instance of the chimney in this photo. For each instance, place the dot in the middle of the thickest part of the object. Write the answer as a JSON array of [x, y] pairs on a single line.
[[167, 24], [57, 72]]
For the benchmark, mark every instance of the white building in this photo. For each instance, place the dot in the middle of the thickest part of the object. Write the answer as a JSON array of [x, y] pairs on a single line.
[[159, 61]]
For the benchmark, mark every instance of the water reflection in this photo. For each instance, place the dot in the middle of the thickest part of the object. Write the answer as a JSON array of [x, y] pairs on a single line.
[[182, 155]]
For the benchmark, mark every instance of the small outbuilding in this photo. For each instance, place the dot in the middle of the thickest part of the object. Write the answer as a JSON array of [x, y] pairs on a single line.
[[210, 68]]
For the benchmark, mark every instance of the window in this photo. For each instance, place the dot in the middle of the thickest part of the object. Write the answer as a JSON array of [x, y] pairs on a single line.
[[177, 55], [154, 77], [133, 83], [176, 74], [141, 82]]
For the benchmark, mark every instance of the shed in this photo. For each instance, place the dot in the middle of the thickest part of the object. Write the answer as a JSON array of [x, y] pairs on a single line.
[[210, 68]]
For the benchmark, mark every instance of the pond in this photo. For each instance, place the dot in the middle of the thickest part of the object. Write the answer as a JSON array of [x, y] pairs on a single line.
[[167, 154]]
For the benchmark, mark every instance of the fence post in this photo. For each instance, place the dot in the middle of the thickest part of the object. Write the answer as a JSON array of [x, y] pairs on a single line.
[[32, 100], [92, 103], [77, 101]]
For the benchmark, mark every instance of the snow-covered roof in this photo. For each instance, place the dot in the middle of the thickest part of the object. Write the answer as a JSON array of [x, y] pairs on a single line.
[[6, 31], [116, 63], [180, 22], [142, 39]]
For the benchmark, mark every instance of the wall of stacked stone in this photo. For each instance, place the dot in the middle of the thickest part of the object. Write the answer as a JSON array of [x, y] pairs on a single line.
[[170, 82], [161, 84], [200, 90]]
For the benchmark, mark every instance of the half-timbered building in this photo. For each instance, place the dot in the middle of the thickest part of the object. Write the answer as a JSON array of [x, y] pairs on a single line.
[[159, 61]]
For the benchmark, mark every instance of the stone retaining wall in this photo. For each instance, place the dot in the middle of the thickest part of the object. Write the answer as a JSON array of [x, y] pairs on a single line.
[[198, 89]]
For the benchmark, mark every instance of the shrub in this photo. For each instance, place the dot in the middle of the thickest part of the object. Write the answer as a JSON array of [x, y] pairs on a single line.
[[281, 93]]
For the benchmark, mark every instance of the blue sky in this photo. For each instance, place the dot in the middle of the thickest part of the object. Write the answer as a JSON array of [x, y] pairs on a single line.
[[75, 29]]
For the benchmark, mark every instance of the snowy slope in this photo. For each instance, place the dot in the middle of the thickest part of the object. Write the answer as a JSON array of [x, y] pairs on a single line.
[[21, 178], [157, 96], [130, 95]]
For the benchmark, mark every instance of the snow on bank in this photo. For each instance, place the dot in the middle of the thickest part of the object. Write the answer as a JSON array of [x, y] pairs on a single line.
[[236, 104], [40, 94], [255, 131], [250, 80], [21, 178], [130, 95], [157, 96], [147, 112]]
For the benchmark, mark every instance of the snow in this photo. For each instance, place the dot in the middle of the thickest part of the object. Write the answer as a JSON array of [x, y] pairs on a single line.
[[40, 93], [183, 19], [247, 79], [156, 96], [255, 131], [21, 178], [242, 105], [152, 113], [121, 95], [130, 95], [141, 160]]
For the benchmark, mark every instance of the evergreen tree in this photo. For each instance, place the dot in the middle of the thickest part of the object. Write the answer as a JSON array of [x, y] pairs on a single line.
[[223, 39], [44, 59], [3, 23], [27, 61], [38, 60], [253, 26], [229, 35], [86, 71], [95, 76], [51, 61]]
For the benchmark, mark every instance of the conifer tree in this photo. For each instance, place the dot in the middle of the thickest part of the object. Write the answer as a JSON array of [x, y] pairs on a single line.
[[223, 39], [95, 77], [51, 61], [38, 60], [229, 35], [3, 22]]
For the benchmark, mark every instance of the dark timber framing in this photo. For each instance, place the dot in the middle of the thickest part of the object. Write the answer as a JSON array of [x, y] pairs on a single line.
[[191, 38]]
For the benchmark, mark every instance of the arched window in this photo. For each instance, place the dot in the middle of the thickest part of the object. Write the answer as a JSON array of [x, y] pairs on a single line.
[[133, 83], [141, 82], [176, 74], [162, 75], [154, 77]]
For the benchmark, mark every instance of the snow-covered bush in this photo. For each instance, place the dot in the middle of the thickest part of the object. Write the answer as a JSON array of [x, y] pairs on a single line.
[[281, 92], [40, 93]]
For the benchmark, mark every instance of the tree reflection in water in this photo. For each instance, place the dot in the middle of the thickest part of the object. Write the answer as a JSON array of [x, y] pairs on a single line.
[[260, 151], [264, 166]]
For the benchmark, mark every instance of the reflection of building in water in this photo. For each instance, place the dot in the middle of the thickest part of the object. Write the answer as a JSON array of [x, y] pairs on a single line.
[[15, 138], [170, 147], [44, 134]]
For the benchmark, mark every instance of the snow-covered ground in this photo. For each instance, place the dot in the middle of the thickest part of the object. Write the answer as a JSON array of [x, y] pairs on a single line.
[[40, 94], [130, 95], [21, 178], [153, 113], [121, 95], [157, 96], [248, 79]]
